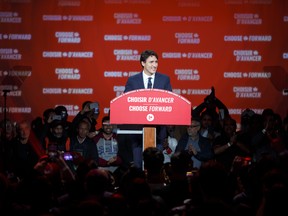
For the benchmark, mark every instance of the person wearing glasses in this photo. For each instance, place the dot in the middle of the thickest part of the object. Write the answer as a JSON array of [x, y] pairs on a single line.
[[199, 147]]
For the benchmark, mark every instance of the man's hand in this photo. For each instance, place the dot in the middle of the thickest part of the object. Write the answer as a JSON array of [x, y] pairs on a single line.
[[191, 150]]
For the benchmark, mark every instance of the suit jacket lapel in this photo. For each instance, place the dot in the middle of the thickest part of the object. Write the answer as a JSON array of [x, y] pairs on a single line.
[[157, 82], [140, 81]]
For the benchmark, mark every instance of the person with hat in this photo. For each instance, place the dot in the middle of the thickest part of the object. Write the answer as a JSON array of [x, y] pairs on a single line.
[[57, 139]]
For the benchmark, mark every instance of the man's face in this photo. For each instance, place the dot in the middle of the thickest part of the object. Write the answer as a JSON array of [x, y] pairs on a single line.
[[24, 130], [107, 127], [83, 130], [58, 131], [206, 121], [193, 129], [150, 66], [229, 126]]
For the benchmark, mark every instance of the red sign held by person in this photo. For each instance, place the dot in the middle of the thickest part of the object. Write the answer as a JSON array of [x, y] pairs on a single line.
[[150, 107]]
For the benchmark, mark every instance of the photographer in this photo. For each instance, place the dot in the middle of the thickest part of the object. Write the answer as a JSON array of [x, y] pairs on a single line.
[[90, 112], [62, 114], [215, 107]]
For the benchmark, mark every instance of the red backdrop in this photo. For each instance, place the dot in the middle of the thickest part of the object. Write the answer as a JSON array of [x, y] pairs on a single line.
[[63, 52]]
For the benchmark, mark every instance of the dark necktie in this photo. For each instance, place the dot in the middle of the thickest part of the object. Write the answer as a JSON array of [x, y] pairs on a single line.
[[149, 83]]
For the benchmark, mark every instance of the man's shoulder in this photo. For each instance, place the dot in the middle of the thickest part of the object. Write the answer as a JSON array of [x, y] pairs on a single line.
[[161, 75], [204, 140], [135, 75]]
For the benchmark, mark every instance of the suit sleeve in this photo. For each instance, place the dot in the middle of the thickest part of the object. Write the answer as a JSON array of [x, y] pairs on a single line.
[[168, 86], [128, 86]]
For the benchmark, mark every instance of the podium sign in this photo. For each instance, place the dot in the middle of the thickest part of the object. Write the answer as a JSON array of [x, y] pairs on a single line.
[[150, 107]]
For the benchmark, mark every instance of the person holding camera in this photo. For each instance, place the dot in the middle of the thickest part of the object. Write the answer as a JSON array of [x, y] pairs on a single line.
[[90, 112], [216, 109], [62, 114]]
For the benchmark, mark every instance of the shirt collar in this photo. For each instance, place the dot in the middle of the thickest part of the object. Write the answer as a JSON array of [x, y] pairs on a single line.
[[145, 76]]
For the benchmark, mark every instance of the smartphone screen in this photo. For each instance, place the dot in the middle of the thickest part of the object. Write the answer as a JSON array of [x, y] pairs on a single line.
[[68, 156]]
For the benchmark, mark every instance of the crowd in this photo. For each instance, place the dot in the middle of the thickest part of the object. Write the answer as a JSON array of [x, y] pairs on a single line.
[[52, 166]]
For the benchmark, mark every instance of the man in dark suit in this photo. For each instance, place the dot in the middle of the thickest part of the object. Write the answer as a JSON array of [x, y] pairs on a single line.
[[149, 63]]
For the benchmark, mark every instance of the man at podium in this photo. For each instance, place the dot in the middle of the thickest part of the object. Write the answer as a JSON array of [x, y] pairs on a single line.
[[148, 78]]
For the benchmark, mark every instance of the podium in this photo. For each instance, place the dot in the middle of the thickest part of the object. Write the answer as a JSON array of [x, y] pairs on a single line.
[[145, 108]]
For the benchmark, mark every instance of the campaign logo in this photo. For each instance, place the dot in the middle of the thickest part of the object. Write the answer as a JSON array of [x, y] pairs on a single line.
[[68, 73], [68, 37], [15, 36], [127, 37], [248, 38], [249, 75], [187, 18], [59, 91], [126, 55], [10, 54], [10, 17], [127, 18], [187, 74], [189, 55], [247, 56], [247, 19], [246, 92], [196, 91], [187, 38]]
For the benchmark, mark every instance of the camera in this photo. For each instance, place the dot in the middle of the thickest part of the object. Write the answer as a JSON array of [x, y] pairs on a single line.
[[63, 114]]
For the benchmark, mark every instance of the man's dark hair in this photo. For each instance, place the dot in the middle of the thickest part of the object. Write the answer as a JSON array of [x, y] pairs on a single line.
[[153, 159], [105, 118], [146, 54]]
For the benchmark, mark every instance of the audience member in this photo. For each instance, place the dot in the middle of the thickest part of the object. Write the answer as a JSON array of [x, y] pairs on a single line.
[[108, 148], [24, 152], [169, 144], [179, 187], [207, 128], [216, 191], [263, 141], [83, 146], [62, 111], [215, 107], [40, 125], [8, 133], [57, 139], [138, 196], [227, 146], [89, 114], [153, 160], [199, 147]]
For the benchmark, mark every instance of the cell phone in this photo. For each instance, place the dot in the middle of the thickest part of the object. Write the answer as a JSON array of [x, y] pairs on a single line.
[[95, 106], [221, 114], [56, 117], [67, 156], [63, 114]]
